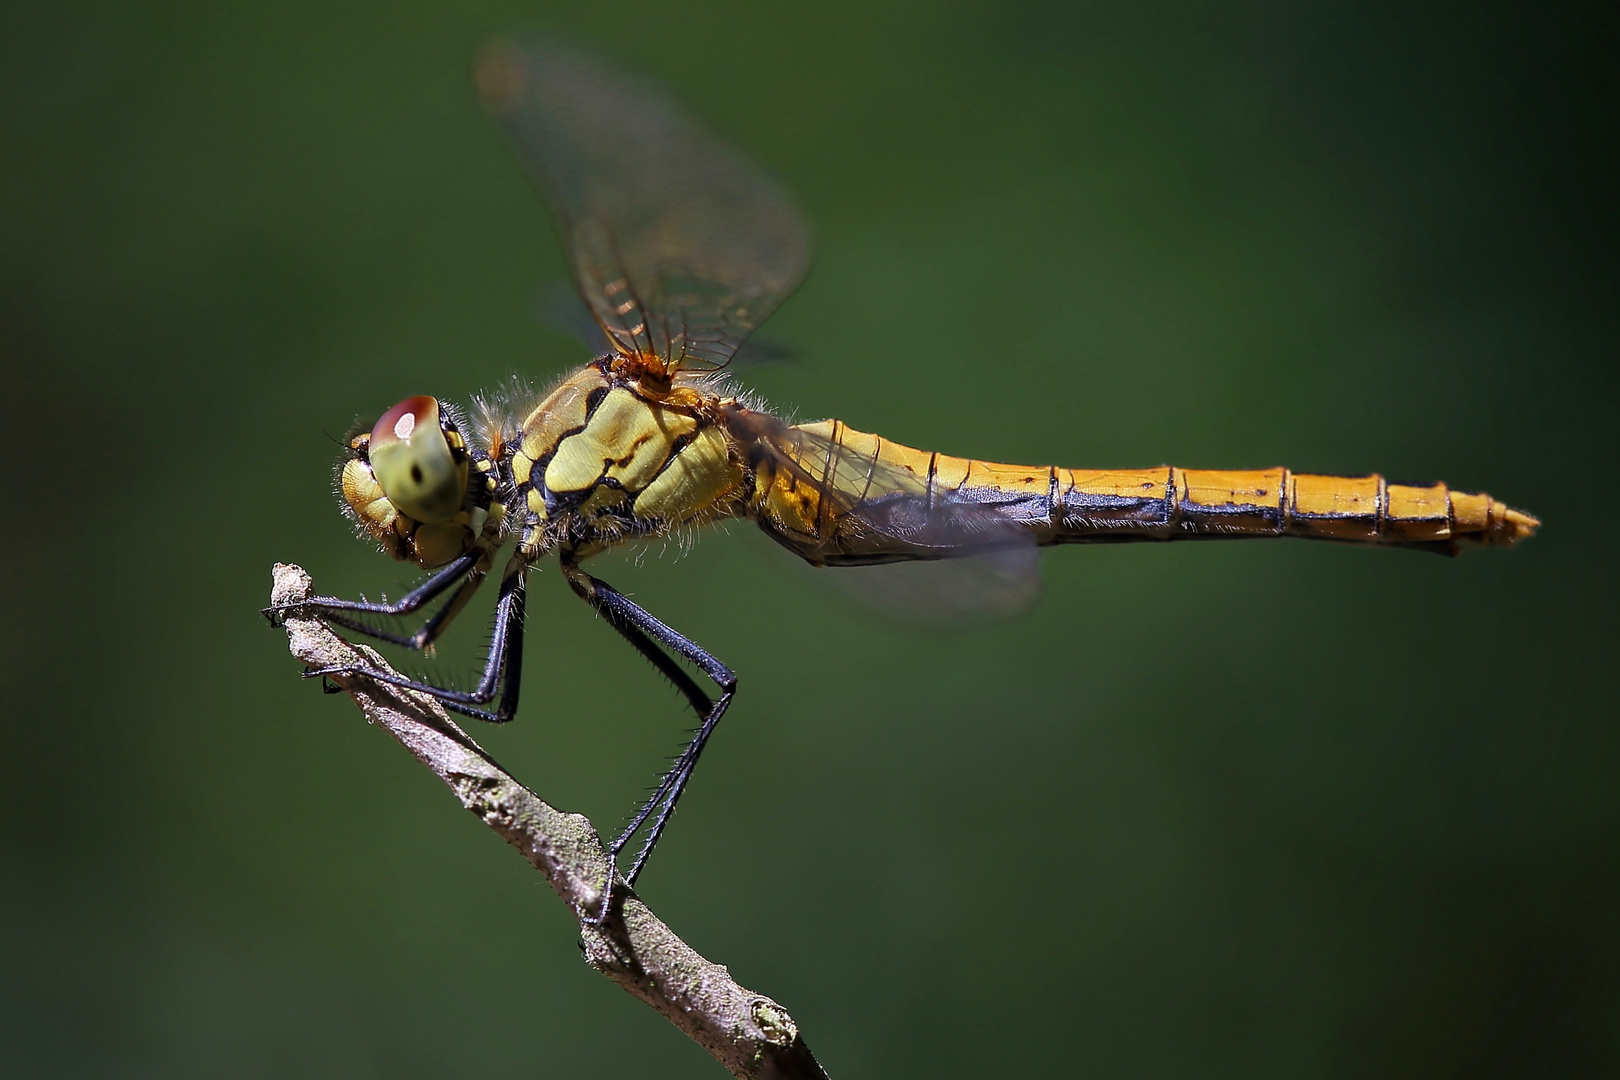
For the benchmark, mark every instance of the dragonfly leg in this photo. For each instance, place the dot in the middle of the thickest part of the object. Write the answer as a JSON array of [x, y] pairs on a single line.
[[472, 567], [505, 657], [652, 638], [430, 631]]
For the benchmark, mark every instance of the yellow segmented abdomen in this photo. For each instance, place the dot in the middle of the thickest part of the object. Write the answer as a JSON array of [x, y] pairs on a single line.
[[843, 489]]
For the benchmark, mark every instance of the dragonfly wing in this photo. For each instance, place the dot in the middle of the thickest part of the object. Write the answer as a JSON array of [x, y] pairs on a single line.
[[954, 552], [947, 593], [678, 244], [557, 304]]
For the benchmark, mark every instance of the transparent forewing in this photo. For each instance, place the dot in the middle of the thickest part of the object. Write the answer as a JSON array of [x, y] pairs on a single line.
[[679, 244], [878, 502]]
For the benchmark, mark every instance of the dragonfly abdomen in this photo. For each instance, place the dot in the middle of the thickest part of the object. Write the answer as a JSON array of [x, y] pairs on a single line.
[[1171, 503], [844, 497]]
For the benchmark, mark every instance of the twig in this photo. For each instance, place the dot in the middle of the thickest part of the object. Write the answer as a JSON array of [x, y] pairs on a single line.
[[749, 1034]]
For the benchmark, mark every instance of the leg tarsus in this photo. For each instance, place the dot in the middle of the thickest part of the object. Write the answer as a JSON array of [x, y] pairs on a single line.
[[610, 890], [505, 655], [470, 569]]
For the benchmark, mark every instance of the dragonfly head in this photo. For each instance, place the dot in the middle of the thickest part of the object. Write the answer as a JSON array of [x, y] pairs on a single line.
[[405, 483]]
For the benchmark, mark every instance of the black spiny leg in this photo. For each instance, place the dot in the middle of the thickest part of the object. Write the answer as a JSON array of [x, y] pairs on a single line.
[[651, 638], [472, 566], [505, 654]]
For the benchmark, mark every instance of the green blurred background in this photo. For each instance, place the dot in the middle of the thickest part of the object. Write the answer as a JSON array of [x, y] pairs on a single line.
[[1283, 809]]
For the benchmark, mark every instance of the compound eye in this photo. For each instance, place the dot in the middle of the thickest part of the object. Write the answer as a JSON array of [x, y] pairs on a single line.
[[413, 462]]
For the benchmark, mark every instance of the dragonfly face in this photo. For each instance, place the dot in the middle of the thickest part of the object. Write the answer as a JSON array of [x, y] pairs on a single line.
[[405, 484], [680, 247]]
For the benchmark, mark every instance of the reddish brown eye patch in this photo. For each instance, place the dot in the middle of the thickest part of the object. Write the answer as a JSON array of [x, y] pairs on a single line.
[[401, 422]]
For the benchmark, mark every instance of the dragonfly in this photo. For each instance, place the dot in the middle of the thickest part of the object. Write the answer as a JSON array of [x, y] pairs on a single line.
[[680, 246]]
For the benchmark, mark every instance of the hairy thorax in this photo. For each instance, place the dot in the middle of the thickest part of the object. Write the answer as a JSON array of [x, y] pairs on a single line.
[[605, 457]]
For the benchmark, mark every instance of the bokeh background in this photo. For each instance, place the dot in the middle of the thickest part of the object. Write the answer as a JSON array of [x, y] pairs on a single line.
[[1283, 809]]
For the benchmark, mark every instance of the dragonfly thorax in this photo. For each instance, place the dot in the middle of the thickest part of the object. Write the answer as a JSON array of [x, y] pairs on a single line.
[[605, 457]]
